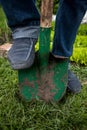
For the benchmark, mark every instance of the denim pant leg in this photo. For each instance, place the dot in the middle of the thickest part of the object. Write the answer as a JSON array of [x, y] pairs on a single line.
[[21, 13], [68, 19]]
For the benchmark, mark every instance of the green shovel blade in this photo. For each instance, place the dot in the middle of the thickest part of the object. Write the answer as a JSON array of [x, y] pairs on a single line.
[[47, 78], [48, 84]]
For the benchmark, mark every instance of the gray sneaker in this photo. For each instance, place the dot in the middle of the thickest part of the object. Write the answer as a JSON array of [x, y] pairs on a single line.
[[22, 53], [74, 84]]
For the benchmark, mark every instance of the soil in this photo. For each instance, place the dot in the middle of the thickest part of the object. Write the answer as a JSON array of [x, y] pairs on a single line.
[[46, 87]]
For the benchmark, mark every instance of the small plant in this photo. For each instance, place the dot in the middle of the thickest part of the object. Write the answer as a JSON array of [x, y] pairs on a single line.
[[80, 56], [81, 41]]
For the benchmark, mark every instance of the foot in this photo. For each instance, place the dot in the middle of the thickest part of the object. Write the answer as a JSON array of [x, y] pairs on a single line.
[[22, 53], [74, 84]]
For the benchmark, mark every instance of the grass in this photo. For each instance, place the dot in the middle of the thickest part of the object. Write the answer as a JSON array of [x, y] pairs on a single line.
[[68, 114], [2, 19], [4, 30]]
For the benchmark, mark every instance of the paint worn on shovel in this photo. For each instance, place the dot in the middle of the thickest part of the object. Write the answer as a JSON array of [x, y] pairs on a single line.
[[28, 81], [47, 78]]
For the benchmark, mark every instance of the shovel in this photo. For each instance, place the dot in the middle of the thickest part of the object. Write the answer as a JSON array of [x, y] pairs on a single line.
[[46, 79]]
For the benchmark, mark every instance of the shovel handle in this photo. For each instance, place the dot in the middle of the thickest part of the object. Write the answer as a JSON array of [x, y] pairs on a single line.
[[46, 13]]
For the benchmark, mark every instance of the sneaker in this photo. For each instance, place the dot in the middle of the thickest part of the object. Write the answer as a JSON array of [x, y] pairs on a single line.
[[74, 84], [22, 53]]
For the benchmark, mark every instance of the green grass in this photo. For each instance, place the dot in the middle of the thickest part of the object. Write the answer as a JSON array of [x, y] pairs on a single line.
[[4, 30], [2, 19], [82, 29], [68, 114]]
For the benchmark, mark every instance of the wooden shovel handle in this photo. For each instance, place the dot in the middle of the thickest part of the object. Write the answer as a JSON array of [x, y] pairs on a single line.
[[46, 13]]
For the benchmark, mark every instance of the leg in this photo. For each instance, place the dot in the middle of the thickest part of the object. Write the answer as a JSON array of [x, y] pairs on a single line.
[[21, 13], [23, 19], [68, 19]]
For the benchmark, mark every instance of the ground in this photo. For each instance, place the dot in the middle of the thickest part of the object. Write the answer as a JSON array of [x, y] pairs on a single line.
[[69, 114]]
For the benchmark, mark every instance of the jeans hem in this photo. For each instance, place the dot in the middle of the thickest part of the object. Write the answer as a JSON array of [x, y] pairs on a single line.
[[26, 32], [60, 55]]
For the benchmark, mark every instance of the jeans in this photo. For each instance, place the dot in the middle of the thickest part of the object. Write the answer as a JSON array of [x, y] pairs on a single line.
[[22, 13]]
